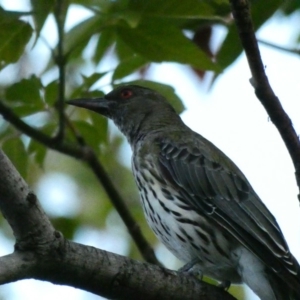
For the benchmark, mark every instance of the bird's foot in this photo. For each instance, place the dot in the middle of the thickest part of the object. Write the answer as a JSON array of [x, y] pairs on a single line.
[[192, 268], [225, 285]]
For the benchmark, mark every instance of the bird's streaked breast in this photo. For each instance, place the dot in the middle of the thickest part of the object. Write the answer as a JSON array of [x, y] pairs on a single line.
[[182, 230]]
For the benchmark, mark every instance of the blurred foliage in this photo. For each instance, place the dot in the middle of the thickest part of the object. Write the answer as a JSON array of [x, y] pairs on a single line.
[[118, 42]]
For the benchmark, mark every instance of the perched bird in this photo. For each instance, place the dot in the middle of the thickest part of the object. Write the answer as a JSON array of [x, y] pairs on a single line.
[[196, 200]]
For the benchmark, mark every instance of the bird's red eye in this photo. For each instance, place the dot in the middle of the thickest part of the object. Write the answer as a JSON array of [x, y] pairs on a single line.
[[125, 94]]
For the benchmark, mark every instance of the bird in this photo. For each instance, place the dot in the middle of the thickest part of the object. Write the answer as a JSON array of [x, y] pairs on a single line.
[[196, 200]]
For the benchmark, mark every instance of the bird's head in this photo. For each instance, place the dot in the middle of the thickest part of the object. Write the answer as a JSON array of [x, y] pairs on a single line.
[[134, 109]]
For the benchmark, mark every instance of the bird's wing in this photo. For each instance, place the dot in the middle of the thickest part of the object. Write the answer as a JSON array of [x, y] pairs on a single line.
[[213, 185]]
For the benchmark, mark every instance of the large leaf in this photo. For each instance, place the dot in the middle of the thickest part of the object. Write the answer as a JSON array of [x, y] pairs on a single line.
[[12, 14], [106, 39], [122, 50], [128, 66], [166, 90], [188, 9], [14, 35], [41, 10], [103, 6], [231, 48], [159, 40], [82, 32]]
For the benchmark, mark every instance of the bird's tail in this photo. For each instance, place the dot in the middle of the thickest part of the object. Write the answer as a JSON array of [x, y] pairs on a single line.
[[282, 289]]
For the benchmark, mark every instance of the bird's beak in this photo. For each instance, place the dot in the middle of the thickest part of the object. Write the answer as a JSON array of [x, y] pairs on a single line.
[[99, 105]]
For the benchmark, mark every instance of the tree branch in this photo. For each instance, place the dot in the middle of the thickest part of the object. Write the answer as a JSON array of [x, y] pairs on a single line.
[[280, 48], [28, 214], [60, 59], [259, 80], [86, 154], [43, 253]]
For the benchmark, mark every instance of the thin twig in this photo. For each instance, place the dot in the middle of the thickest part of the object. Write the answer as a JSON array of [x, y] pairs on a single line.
[[280, 48], [259, 80], [79, 138], [86, 154], [60, 60]]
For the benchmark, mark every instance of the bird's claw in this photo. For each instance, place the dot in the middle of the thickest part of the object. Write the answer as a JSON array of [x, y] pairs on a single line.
[[225, 285], [192, 269]]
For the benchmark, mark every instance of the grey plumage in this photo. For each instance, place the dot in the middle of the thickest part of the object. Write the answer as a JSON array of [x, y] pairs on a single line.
[[196, 200]]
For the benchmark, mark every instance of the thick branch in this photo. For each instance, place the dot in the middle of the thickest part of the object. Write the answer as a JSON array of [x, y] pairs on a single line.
[[106, 274], [43, 253], [263, 90], [21, 208], [87, 154]]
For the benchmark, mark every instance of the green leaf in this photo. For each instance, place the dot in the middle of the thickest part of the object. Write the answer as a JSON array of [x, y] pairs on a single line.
[[122, 50], [12, 14], [25, 95], [93, 136], [102, 5], [159, 40], [232, 47], [188, 9], [128, 66], [82, 92], [15, 150], [262, 13], [106, 39], [131, 17], [51, 91], [88, 81], [101, 125], [93, 94], [39, 152], [166, 90], [41, 10], [82, 32], [26, 110], [289, 7], [14, 35], [26, 90]]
